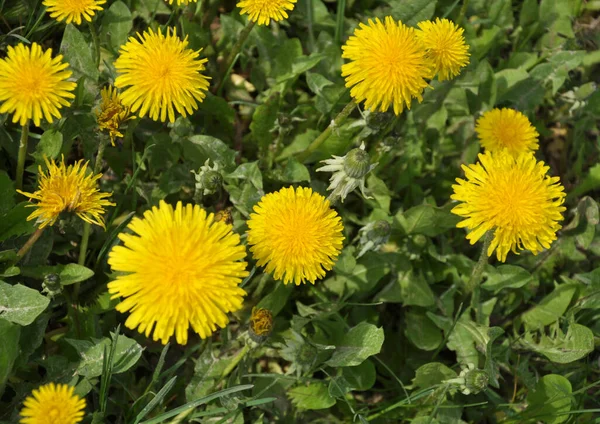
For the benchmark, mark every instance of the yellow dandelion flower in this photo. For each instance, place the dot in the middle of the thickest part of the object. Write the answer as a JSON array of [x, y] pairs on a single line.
[[181, 269], [388, 65], [67, 189], [161, 74], [182, 2], [295, 234], [53, 404], [506, 129], [514, 198], [33, 84], [112, 114], [262, 11], [446, 47], [73, 10]]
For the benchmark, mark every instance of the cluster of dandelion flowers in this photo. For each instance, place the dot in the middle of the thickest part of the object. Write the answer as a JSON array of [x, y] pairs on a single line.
[[388, 65], [112, 114], [53, 404], [67, 189], [445, 46], [295, 234], [180, 268], [513, 197], [33, 85], [506, 129], [160, 75], [73, 10], [262, 11]]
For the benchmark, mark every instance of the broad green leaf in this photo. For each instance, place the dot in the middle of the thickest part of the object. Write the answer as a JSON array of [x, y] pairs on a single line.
[[201, 147], [116, 24], [422, 332], [550, 400], [550, 308], [432, 374], [78, 54], [208, 371], [295, 172], [427, 220], [506, 276], [357, 345], [311, 397], [20, 304], [277, 298], [68, 274], [562, 348], [467, 339], [264, 120], [49, 145], [411, 12], [360, 377], [414, 289], [7, 193], [127, 353], [250, 172], [338, 387], [9, 334], [14, 222]]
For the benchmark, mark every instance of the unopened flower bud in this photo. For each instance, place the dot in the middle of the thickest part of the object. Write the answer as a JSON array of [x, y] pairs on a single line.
[[476, 381], [51, 285], [357, 163], [380, 231], [212, 181]]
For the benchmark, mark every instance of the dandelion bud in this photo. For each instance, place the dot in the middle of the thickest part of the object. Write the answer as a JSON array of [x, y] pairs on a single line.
[[208, 179], [51, 285], [372, 236], [476, 381], [261, 324], [380, 231], [357, 163]]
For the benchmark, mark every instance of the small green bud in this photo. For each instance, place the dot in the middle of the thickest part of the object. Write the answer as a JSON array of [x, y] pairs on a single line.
[[476, 381], [211, 180], [357, 163], [380, 231], [420, 240], [51, 285]]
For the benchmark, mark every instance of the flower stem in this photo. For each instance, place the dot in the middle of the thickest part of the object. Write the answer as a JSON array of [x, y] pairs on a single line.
[[95, 42], [235, 361], [339, 120], [86, 225], [463, 11], [473, 285], [29, 244], [22, 154], [233, 54]]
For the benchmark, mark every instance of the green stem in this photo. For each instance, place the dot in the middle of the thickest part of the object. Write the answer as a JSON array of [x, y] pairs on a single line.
[[339, 26], [86, 225], [29, 244], [463, 11], [339, 120], [233, 54], [234, 363], [95, 42], [22, 154], [473, 285]]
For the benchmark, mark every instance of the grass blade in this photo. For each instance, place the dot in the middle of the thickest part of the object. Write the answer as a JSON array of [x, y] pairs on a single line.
[[156, 400]]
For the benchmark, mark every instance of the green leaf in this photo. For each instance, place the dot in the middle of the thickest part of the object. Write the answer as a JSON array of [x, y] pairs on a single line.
[[14, 222], [250, 172], [422, 332], [432, 374], [9, 334], [68, 274], [49, 145], [360, 377], [295, 172], [21, 305], [411, 12], [263, 121], [311, 397], [550, 400], [127, 353], [507, 276], [562, 348], [208, 371], [78, 54], [202, 147], [414, 289], [550, 308], [276, 299], [117, 21], [357, 345], [427, 220], [7, 193]]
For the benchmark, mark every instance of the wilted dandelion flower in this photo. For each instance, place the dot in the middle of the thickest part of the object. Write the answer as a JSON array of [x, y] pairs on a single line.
[[33, 84], [161, 75], [295, 235], [388, 65], [53, 404], [180, 268], [261, 322], [112, 113], [506, 129], [262, 11], [512, 197], [445, 45], [67, 189], [349, 171], [73, 10]]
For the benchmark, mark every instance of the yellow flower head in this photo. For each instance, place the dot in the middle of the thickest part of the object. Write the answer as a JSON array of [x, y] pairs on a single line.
[[262, 11], [507, 129], [112, 113], [53, 404], [68, 189], [261, 322], [388, 65], [180, 2], [33, 84], [161, 74], [180, 269], [295, 234], [445, 46], [514, 198], [73, 10]]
